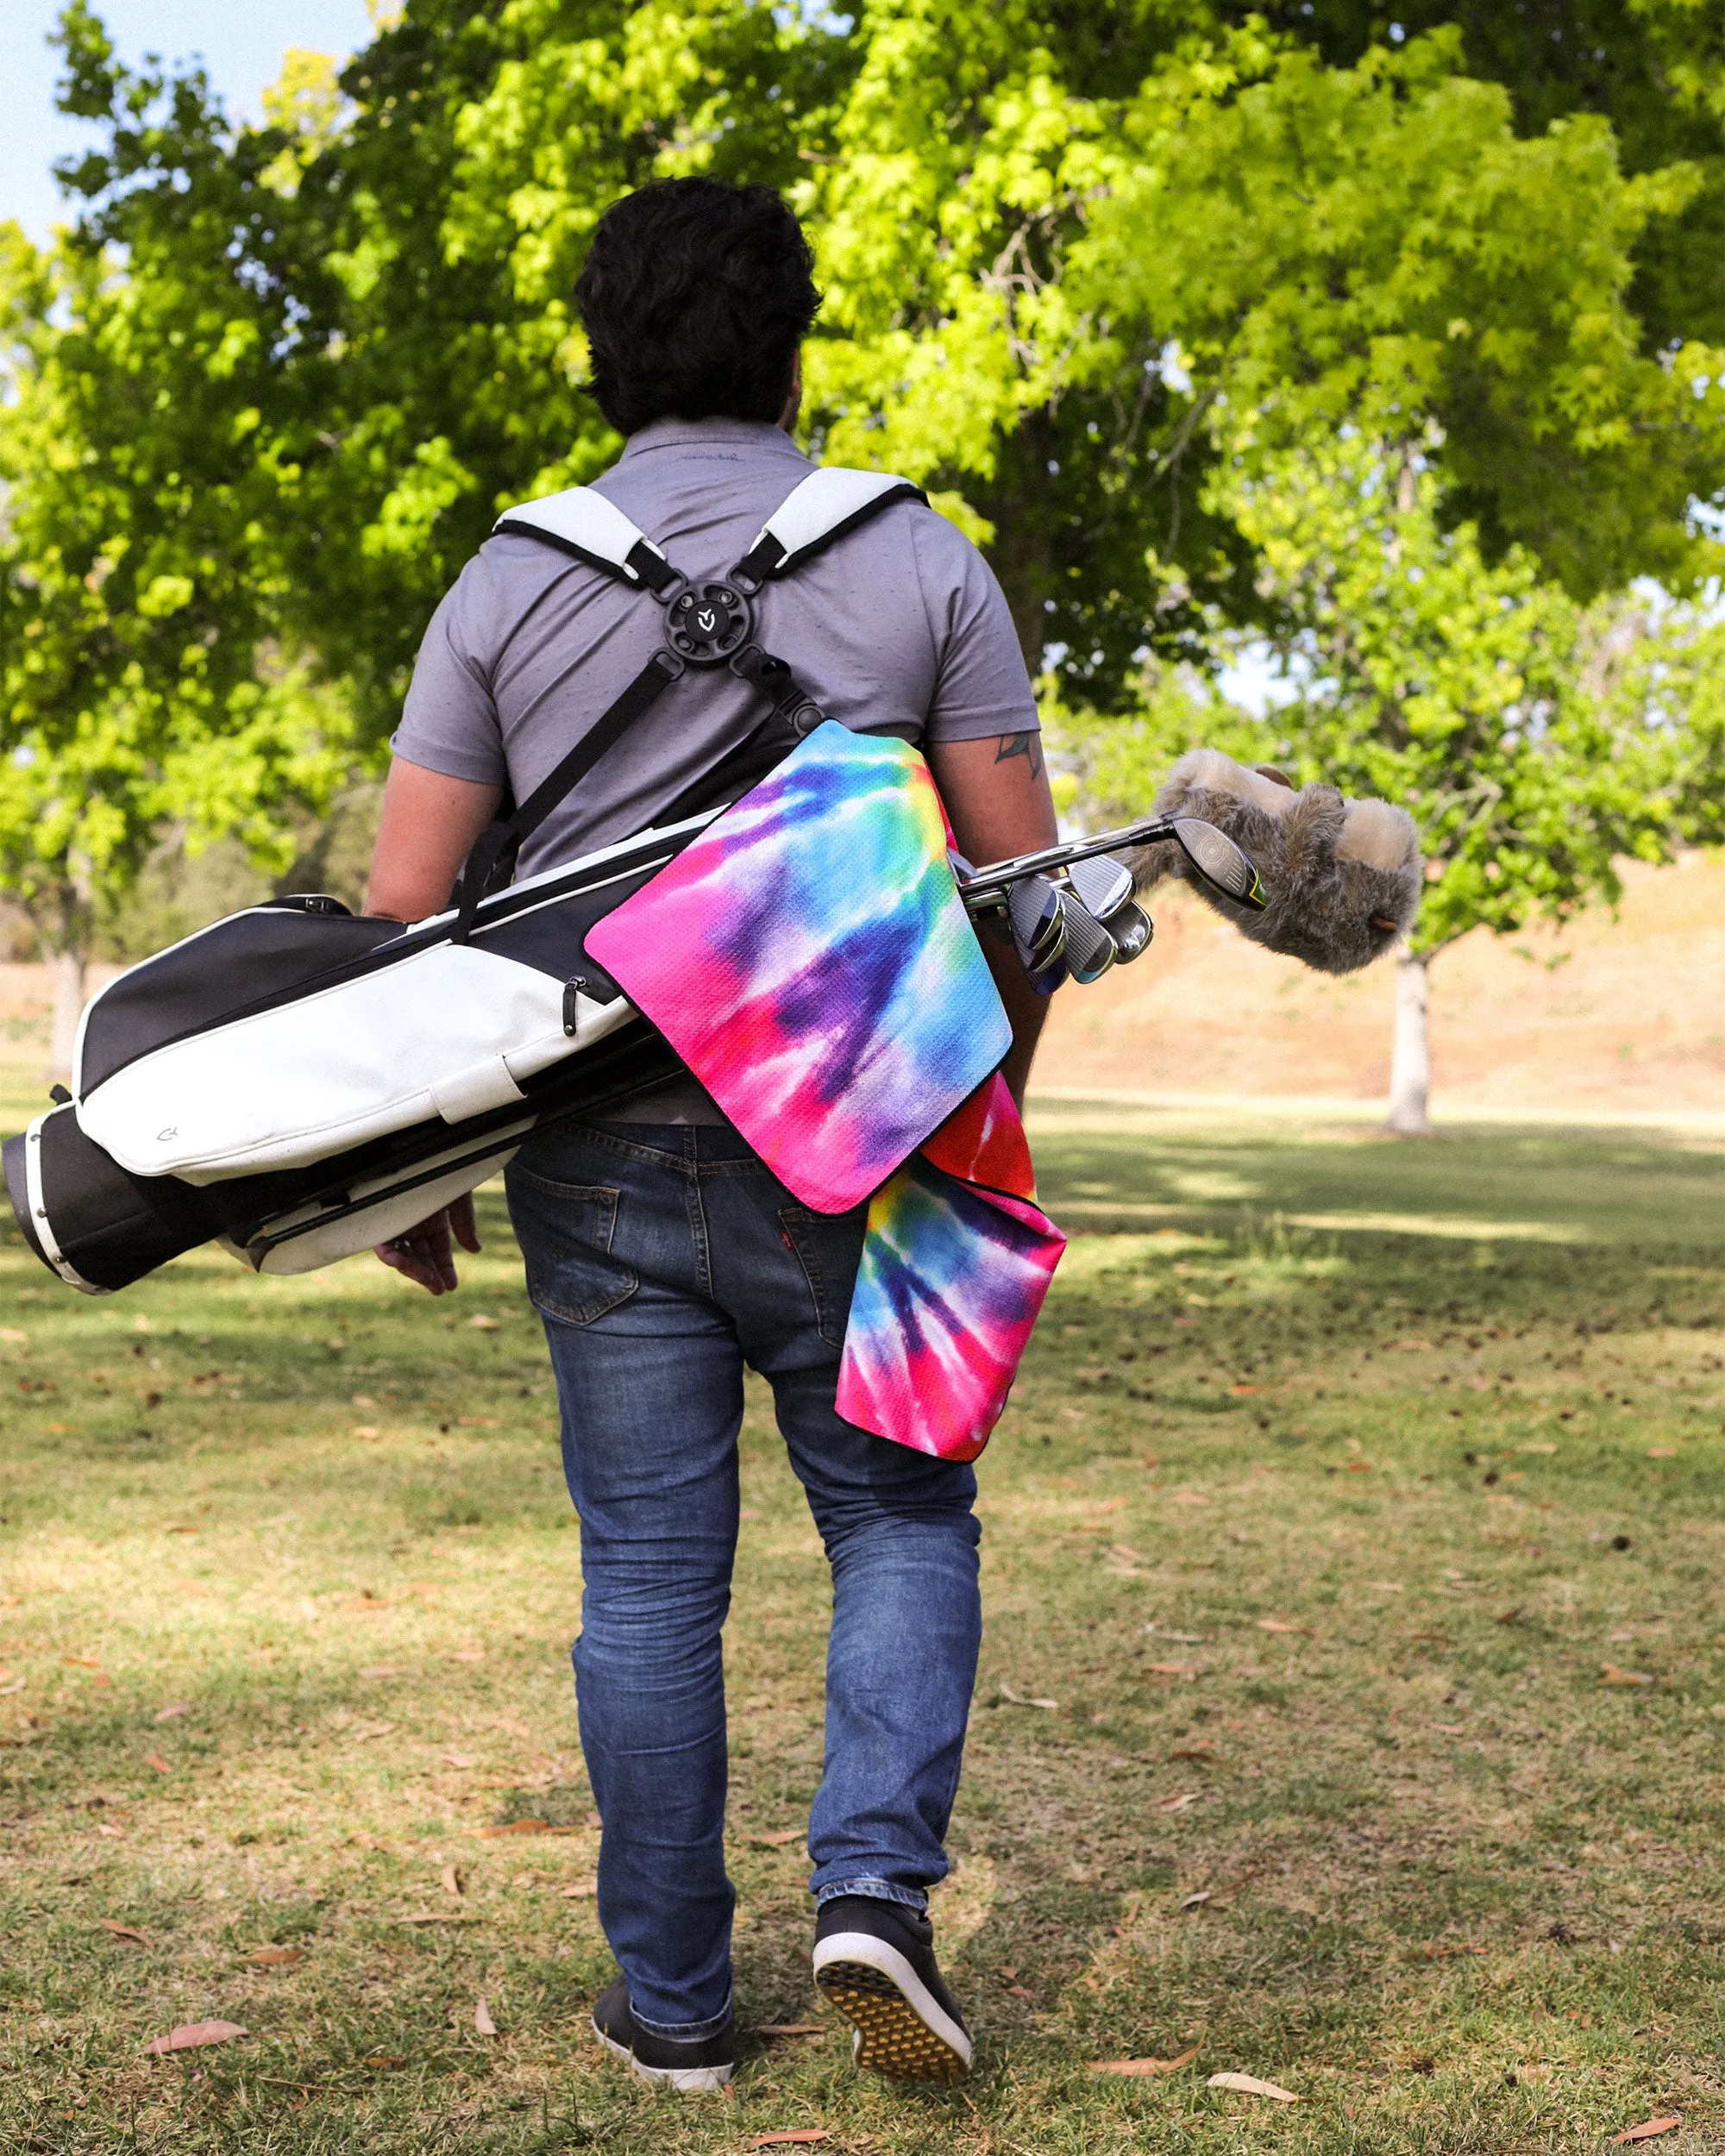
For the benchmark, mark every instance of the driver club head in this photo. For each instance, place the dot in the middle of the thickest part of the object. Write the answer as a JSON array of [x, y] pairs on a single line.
[[1221, 862]]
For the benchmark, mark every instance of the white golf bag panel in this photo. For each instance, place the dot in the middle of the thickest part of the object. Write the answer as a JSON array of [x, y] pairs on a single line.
[[307, 1238], [449, 1030], [415, 1028]]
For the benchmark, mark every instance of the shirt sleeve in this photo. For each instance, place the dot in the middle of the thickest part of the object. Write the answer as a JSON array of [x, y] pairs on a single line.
[[982, 684], [450, 722]]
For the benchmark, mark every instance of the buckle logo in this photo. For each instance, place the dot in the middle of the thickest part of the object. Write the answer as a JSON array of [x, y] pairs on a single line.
[[706, 620]]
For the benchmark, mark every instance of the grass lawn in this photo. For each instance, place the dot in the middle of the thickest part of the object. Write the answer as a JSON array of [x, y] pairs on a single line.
[[1351, 1716]]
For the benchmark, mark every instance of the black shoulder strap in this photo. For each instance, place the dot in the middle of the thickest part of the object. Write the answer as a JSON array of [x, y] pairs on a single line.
[[654, 679]]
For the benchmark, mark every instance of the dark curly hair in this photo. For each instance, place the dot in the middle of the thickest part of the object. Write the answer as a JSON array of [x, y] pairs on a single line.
[[695, 297]]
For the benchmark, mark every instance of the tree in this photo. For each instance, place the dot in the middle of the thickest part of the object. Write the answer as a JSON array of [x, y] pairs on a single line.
[[1479, 695], [138, 680]]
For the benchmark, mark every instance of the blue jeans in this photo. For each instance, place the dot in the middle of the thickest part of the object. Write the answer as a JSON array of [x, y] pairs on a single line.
[[663, 1258]]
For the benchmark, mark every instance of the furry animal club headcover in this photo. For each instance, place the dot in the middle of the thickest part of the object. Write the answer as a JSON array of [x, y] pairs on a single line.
[[1343, 876]]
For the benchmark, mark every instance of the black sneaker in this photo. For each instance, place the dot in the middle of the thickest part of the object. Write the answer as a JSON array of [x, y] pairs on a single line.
[[875, 1960], [692, 2066]]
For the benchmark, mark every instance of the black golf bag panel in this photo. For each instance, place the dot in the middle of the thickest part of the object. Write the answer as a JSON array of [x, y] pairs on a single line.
[[301, 1084]]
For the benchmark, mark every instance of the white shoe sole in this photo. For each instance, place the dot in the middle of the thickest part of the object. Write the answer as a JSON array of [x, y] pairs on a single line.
[[900, 2026], [687, 2081]]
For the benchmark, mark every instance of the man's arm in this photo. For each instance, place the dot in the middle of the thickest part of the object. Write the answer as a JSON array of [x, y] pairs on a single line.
[[996, 794], [430, 823]]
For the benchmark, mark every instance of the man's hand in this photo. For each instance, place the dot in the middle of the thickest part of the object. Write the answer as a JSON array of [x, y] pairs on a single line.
[[426, 1254]]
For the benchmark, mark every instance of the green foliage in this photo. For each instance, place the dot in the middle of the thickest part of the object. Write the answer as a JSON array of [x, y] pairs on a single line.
[[1069, 251], [1514, 724]]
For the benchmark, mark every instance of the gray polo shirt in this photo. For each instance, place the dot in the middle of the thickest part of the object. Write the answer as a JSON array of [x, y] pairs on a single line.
[[899, 628]]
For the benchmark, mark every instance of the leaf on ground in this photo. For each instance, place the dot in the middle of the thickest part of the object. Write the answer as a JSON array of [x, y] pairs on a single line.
[[1612, 1675], [466, 1654], [1647, 2131], [1189, 1497], [1178, 1804], [1387, 1587], [276, 1957], [452, 1881], [482, 2022], [581, 1890], [459, 1759], [1277, 1624], [1536, 1448], [378, 1669], [1414, 1347], [155, 1759], [478, 1422], [1197, 1901], [11, 1333], [365, 1734], [790, 2028], [1193, 1751], [192, 2035], [1126, 1553], [1661, 1452], [173, 1710], [484, 1323], [1183, 1671], [367, 1430], [1141, 2066], [802, 2137], [780, 1840], [129, 1933], [80, 1662], [383, 2061], [438, 1917], [1021, 1699], [517, 1827], [1250, 2085], [1239, 1392]]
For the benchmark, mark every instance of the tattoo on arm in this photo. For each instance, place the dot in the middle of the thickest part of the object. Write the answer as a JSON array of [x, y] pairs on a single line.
[[1028, 745]]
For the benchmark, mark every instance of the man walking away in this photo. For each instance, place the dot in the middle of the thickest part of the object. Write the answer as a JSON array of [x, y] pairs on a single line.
[[661, 1253]]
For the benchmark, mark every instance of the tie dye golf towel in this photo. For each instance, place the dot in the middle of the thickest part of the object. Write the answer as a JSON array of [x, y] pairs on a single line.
[[955, 1266], [810, 960]]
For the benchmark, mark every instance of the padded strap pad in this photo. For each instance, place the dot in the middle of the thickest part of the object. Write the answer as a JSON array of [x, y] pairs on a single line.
[[584, 523], [828, 503]]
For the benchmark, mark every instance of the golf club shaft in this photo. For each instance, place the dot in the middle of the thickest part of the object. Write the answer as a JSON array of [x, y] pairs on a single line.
[[988, 886]]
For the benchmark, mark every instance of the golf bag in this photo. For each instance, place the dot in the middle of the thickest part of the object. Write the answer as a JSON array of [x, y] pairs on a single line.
[[301, 1084]]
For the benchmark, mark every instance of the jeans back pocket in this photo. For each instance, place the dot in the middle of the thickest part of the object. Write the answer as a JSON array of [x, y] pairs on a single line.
[[565, 1231]]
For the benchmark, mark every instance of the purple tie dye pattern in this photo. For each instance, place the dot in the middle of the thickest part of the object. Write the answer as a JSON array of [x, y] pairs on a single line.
[[809, 959], [955, 1263]]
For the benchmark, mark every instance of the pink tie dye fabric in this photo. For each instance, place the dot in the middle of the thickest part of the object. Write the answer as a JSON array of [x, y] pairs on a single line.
[[955, 1263], [810, 960]]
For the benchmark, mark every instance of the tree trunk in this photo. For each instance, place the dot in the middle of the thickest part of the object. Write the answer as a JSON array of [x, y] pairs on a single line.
[[1410, 1067], [68, 1008], [1018, 505]]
